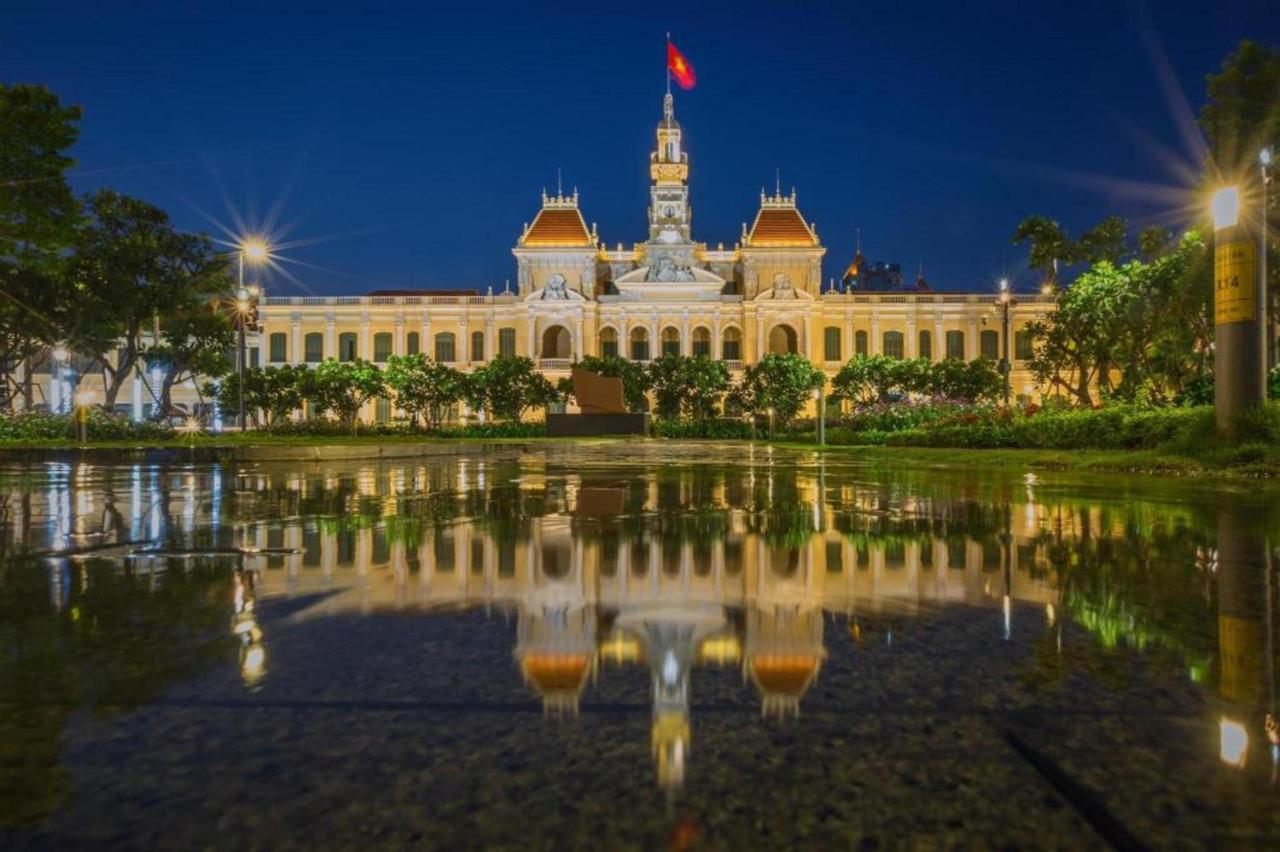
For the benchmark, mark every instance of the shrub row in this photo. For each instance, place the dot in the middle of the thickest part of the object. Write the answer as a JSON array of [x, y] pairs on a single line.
[[99, 426]]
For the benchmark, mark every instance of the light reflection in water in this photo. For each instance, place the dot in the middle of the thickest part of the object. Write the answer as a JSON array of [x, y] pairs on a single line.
[[659, 572]]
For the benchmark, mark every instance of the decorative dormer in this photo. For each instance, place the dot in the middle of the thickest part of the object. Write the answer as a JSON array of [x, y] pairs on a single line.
[[558, 246], [781, 246]]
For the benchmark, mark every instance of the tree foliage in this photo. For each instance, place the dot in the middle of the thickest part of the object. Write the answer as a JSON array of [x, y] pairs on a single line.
[[343, 387], [271, 394], [424, 387], [879, 378], [782, 382], [692, 386], [508, 386]]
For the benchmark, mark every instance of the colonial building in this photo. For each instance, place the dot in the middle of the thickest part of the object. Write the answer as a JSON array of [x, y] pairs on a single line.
[[576, 296]]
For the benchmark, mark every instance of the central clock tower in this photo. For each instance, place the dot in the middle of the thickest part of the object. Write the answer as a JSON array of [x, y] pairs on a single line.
[[669, 213]]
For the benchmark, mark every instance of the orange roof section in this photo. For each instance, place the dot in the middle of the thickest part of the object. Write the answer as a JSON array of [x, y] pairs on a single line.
[[557, 672], [786, 674], [558, 228], [781, 227]]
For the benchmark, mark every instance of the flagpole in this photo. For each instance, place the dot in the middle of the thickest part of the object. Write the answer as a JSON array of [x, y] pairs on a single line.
[[666, 62]]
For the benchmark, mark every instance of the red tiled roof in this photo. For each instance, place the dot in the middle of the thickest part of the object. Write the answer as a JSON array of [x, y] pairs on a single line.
[[781, 227], [555, 227]]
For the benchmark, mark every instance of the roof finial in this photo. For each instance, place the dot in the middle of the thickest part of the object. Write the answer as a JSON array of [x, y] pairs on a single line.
[[858, 231], [666, 63], [559, 185], [777, 182]]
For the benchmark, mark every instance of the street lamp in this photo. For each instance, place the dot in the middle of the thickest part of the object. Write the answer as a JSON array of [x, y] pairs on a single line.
[[1267, 330], [1004, 302], [255, 251], [820, 399], [60, 356], [1239, 313]]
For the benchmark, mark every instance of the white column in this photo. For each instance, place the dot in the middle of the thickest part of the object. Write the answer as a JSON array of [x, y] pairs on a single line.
[[397, 342], [135, 380], [464, 342], [363, 350], [579, 347], [939, 340], [846, 345], [489, 340], [295, 339], [685, 347], [330, 337], [873, 347], [424, 345], [912, 347], [971, 340]]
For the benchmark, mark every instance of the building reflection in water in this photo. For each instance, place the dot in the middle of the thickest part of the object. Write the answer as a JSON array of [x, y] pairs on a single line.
[[660, 571]]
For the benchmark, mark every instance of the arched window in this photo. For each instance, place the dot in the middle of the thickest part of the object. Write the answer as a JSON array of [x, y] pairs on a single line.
[[608, 342], [989, 345], [413, 346], [700, 342], [926, 345], [831, 343], [731, 344], [446, 347], [382, 346], [860, 342], [477, 346], [506, 342], [782, 339], [556, 342], [279, 346], [894, 344], [313, 346], [639, 344], [955, 344], [347, 346], [670, 341]]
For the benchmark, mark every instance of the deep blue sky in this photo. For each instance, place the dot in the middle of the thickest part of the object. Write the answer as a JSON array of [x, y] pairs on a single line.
[[405, 145]]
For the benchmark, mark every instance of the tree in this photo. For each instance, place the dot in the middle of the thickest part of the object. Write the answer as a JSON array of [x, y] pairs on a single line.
[[635, 379], [1051, 248], [878, 377], [342, 387], [39, 215], [507, 386], [425, 387], [276, 392], [132, 270], [975, 381], [693, 386], [192, 343], [782, 382]]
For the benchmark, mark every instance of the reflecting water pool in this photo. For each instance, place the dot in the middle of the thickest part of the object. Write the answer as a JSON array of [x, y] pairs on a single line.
[[633, 645]]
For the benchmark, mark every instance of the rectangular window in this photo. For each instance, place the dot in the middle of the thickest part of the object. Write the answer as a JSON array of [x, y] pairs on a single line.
[[894, 344], [732, 349], [477, 346], [831, 343], [989, 345], [671, 347], [507, 342], [382, 346], [413, 347], [701, 347], [609, 349], [1022, 346], [926, 345], [445, 348], [255, 357], [279, 346], [639, 350], [382, 410], [347, 346], [955, 344], [313, 345], [860, 342]]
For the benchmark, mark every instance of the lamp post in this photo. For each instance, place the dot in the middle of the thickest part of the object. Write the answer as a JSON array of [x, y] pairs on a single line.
[[1239, 356], [255, 251], [1266, 329], [820, 398], [1004, 302], [60, 356]]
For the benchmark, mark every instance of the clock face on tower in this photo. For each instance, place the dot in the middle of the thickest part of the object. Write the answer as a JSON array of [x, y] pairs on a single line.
[[670, 212]]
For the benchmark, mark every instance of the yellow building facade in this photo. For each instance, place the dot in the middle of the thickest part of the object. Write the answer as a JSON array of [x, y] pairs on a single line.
[[576, 296]]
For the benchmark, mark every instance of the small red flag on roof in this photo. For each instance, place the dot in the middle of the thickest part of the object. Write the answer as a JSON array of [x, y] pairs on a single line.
[[679, 67]]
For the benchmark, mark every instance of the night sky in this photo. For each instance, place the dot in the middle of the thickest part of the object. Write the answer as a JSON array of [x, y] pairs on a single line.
[[403, 146]]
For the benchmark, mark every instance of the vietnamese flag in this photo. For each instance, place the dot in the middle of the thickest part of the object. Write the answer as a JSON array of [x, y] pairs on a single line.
[[680, 68]]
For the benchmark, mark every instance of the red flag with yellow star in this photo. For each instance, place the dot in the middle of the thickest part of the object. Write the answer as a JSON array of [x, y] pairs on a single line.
[[680, 68]]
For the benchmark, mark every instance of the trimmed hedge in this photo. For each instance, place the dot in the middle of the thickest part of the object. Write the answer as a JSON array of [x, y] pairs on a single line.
[[724, 428], [99, 426]]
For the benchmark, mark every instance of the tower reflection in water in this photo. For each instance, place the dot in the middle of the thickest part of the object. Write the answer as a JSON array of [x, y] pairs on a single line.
[[655, 571], [660, 574]]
